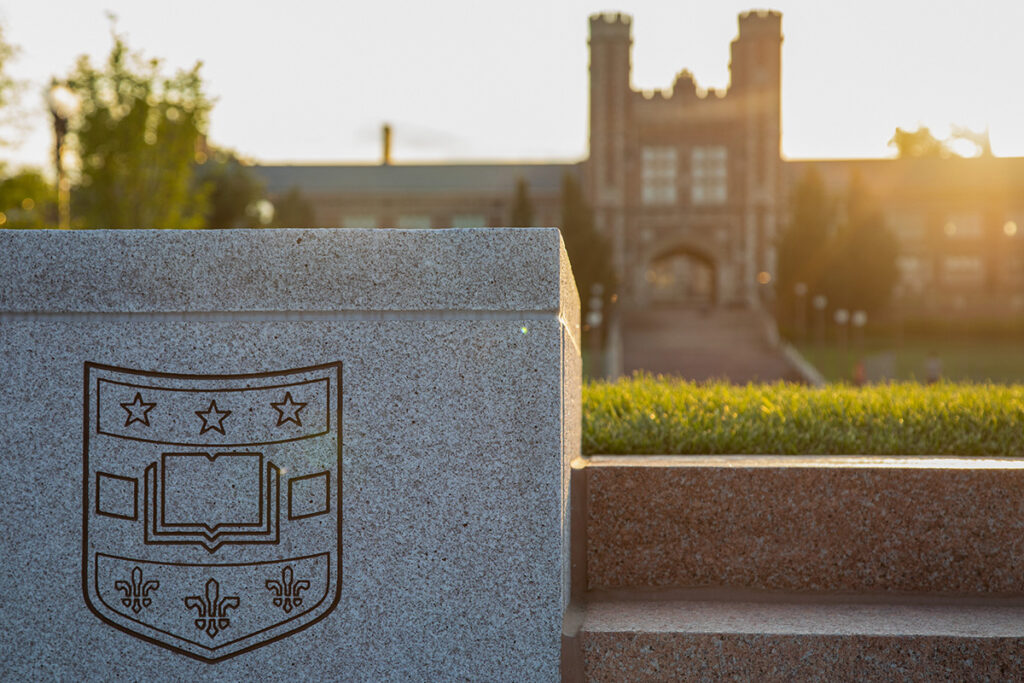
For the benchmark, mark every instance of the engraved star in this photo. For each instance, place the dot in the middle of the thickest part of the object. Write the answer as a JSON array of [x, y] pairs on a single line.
[[288, 410], [138, 411], [212, 418]]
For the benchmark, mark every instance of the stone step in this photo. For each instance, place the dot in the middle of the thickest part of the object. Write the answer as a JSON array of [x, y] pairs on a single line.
[[847, 525], [689, 639]]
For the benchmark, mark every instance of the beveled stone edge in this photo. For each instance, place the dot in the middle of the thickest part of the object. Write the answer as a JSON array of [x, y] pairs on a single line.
[[930, 616], [510, 270], [740, 461]]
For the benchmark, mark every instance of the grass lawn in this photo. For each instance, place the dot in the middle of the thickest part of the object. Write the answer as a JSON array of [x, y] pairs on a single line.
[[998, 360], [647, 415]]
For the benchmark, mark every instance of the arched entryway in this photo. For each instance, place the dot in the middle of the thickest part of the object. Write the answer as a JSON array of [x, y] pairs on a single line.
[[681, 275]]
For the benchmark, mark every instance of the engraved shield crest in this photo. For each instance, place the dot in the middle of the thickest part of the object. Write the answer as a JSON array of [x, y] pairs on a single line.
[[212, 505]]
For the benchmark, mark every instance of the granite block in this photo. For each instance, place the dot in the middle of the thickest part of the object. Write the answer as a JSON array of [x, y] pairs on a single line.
[[322, 454], [691, 640], [616, 657], [891, 525]]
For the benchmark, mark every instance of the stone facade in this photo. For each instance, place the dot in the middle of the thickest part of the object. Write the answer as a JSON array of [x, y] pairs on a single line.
[[687, 170], [690, 187], [420, 195]]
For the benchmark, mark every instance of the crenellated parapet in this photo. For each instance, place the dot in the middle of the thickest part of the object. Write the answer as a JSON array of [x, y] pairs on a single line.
[[692, 164], [760, 25], [611, 26], [766, 20], [611, 19], [685, 85]]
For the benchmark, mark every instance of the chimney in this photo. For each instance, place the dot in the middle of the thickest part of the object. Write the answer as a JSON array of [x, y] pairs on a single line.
[[386, 160]]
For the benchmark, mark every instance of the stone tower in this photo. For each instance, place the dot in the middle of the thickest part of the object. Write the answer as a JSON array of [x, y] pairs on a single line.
[[688, 172], [611, 42], [756, 70]]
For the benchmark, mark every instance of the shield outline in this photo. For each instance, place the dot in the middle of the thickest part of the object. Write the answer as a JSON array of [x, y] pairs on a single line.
[[88, 366]]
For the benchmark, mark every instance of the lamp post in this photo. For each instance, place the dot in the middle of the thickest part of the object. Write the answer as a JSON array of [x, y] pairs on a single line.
[[842, 316], [800, 290], [859, 319], [819, 302], [63, 105], [594, 320]]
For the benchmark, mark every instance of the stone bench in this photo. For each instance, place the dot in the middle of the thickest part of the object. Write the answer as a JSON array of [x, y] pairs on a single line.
[[796, 568]]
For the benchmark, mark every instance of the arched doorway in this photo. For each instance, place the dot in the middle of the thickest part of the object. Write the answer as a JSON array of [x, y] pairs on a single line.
[[681, 275]]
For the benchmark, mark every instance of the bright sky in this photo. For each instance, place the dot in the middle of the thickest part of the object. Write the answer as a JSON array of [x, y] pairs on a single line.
[[308, 80]]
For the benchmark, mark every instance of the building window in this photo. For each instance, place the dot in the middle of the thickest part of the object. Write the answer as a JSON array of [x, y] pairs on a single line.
[[908, 226], [963, 226], [1014, 269], [963, 271], [915, 273], [658, 175], [362, 221], [469, 220], [709, 175], [414, 222]]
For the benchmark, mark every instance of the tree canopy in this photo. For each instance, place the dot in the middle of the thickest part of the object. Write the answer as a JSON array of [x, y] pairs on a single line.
[[27, 200], [143, 159], [803, 246], [234, 193], [838, 247], [922, 144], [919, 144], [138, 135], [862, 267], [588, 250], [294, 210], [10, 88]]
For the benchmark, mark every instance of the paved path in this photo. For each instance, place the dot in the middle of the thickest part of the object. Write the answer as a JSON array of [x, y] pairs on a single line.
[[726, 344]]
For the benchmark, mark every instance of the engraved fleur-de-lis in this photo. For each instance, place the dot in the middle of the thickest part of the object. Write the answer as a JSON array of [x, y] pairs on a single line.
[[136, 593], [287, 590], [213, 609]]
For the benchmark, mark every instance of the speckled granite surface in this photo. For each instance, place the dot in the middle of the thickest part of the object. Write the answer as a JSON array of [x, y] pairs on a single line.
[[642, 657], [459, 407], [778, 641], [887, 525], [282, 270]]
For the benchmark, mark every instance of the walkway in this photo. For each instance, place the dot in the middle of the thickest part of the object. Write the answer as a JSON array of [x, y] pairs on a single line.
[[729, 344]]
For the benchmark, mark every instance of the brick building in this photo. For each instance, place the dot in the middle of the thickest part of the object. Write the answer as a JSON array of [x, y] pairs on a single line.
[[959, 224], [690, 187]]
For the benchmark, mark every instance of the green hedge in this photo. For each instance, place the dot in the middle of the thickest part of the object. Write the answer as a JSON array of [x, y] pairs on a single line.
[[655, 415]]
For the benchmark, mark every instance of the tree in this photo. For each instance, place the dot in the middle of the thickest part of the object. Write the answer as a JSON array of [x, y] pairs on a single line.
[[8, 86], [804, 244], [293, 210], [234, 192], [979, 139], [850, 260], [522, 207], [588, 250], [862, 265], [919, 144], [138, 135], [11, 89], [27, 200]]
